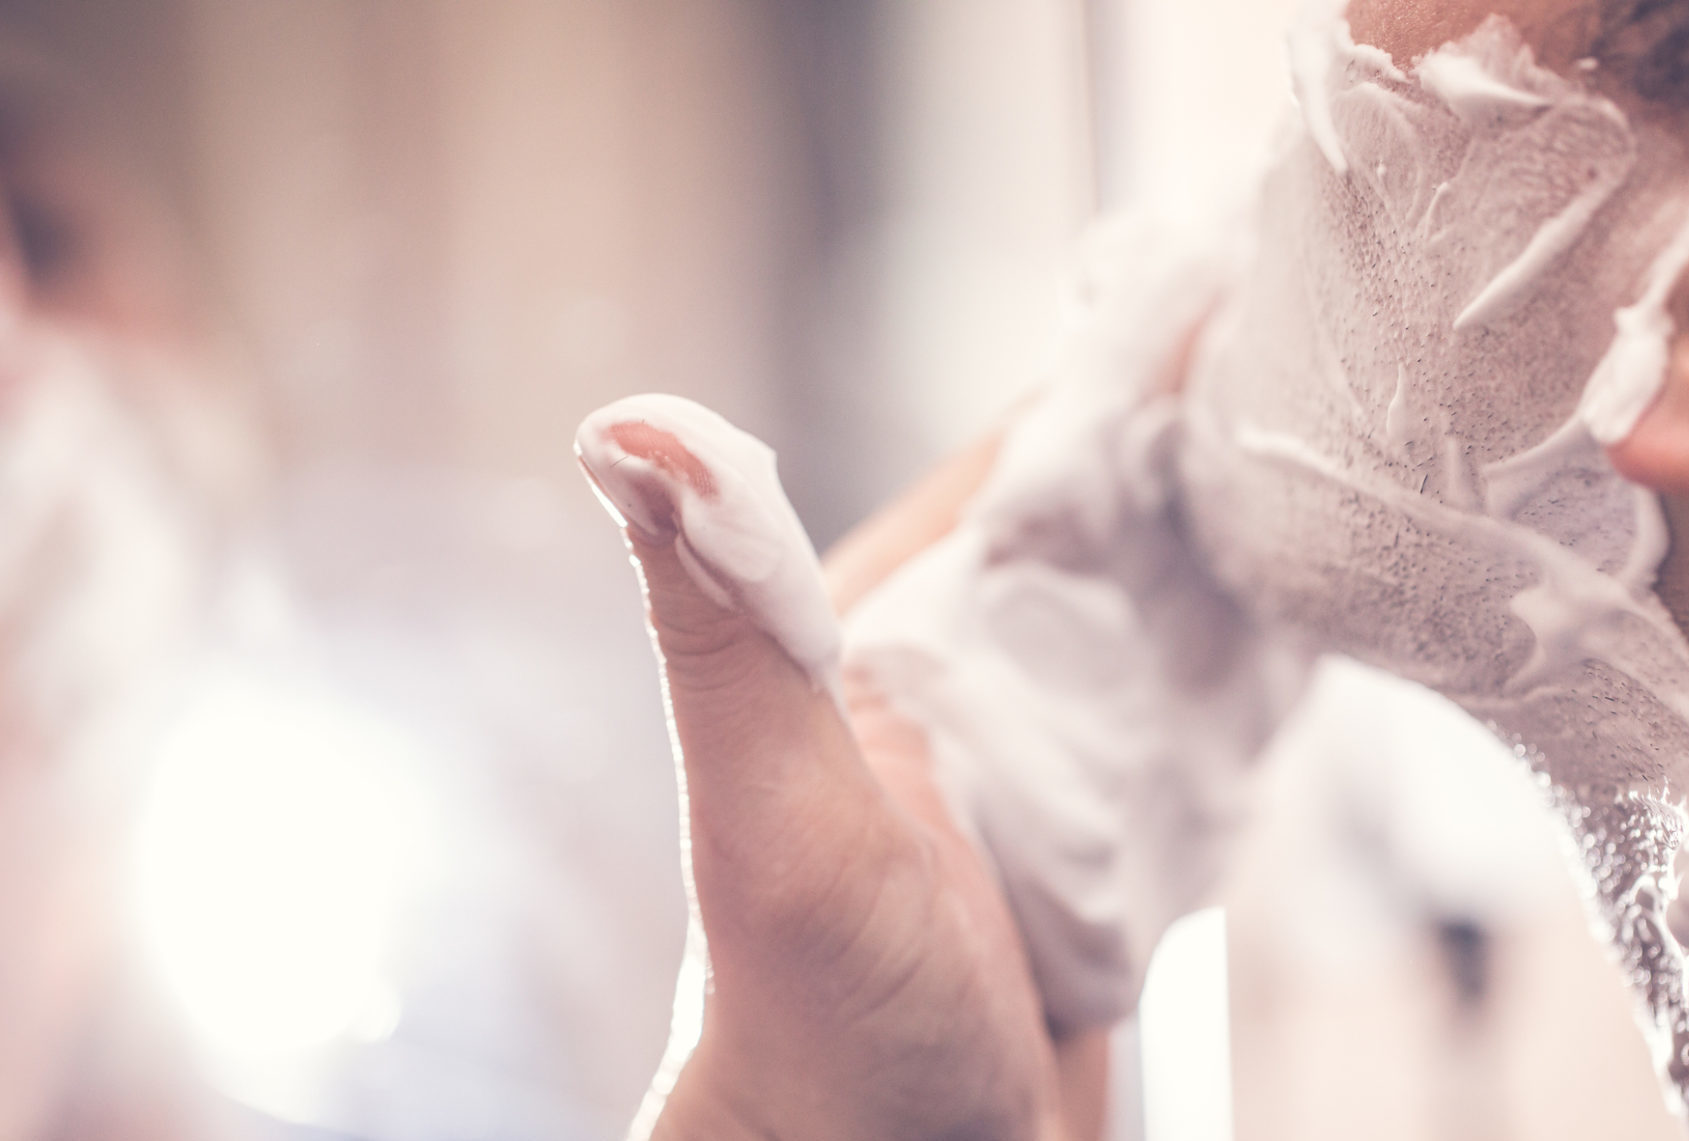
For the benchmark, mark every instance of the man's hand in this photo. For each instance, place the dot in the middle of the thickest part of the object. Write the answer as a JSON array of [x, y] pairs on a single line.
[[866, 978]]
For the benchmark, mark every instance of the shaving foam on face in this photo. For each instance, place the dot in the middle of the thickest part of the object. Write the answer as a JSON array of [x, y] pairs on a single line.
[[1385, 448], [666, 468], [1393, 437], [1313, 47]]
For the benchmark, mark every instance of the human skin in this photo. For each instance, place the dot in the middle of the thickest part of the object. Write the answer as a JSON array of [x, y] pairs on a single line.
[[1408, 30], [868, 981], [1656, 453]]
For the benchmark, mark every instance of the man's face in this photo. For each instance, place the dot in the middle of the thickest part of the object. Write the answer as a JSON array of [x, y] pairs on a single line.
[[1390, 450]]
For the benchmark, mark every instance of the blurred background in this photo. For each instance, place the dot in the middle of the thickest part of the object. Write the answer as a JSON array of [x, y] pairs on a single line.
[[336, 799]]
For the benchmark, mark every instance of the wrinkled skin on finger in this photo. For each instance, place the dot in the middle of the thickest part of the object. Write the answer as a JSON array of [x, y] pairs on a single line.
[[865, 976]]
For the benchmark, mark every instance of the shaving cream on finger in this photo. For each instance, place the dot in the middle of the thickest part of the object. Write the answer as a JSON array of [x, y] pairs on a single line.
[[670, 469]]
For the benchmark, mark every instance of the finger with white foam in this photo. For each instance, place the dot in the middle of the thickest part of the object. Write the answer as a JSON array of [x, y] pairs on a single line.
[[675, 472], [747, 642]]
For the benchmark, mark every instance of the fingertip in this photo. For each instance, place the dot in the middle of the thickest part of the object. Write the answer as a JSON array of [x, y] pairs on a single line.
[[634, 494], [661, 448]]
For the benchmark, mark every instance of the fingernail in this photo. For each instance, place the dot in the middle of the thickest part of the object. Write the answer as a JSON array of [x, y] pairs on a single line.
[[626, 482]]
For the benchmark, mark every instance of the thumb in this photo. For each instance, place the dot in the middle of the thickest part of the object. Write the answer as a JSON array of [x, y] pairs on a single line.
[[748, 646]]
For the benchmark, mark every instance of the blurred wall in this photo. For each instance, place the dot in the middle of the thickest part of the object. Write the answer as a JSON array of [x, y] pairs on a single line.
[[447, 230], [1198, 91], [943, 303], [450, 230]]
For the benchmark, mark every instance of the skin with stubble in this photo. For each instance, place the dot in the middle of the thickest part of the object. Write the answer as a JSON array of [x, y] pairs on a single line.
[[867, 979], [1643, 46]]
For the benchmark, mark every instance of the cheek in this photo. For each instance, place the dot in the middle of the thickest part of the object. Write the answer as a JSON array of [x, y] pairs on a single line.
[[1408, 29]]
